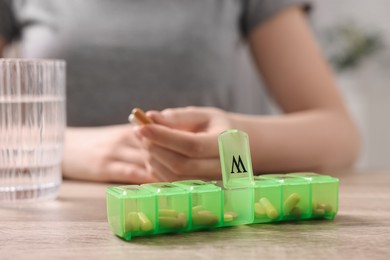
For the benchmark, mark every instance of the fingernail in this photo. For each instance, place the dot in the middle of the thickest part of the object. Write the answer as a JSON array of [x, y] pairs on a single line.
[[156, 116], [137, 134], [143, 131]]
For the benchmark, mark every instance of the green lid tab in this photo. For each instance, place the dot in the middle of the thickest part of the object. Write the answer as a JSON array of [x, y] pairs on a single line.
[[197, 186], [129, 191], [235, 157]]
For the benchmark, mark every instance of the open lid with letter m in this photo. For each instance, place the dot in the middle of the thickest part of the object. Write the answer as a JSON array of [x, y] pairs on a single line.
[[235, 157]]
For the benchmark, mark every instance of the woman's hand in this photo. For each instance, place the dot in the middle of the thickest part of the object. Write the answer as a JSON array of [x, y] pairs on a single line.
[[106, 154], [183, 144]]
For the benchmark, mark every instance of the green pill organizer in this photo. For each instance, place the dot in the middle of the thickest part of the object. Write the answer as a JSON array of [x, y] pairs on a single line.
[[241, 198], [296, 196], [205, 200], [324, 194]]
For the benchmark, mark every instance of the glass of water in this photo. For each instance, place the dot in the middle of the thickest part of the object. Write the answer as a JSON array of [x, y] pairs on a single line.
[[32, 125]]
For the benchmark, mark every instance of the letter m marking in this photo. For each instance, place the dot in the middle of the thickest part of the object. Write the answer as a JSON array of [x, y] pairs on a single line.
[[237, 165]]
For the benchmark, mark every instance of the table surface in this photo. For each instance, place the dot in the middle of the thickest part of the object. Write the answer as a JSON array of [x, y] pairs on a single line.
[[75, 226]]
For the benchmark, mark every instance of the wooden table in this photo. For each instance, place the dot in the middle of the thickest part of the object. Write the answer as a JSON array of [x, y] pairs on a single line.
[[74, 226]]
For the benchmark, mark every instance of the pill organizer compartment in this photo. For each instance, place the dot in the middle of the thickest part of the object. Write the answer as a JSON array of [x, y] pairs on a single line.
[[131, 211], [237, 205], [172, 206], [296, 197], [206, 204], [267, 200], [324, 193]]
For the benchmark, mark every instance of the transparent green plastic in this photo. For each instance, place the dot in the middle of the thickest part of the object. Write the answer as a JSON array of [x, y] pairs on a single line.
[[237, 175], [173, 207], [235, 157], [296, 196], [206, 204], [240, 199], [131, 211], [173, 204], [267, 200], [324, 194], [237, 205]]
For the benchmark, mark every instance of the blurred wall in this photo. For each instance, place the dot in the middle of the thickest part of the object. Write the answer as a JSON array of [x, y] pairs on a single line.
[[366, 85]]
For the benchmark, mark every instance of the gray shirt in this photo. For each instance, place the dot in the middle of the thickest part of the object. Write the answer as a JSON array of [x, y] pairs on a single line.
[[152, 54]]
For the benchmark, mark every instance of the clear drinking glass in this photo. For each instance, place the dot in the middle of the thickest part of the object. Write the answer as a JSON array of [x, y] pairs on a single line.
[[32, 124]]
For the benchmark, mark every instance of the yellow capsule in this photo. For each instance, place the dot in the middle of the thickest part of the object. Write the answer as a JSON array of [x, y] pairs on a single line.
[[205, 217], [146, 224], [141, 117], [227, 217], [197, 208], [314, 204], [270, 210], [296, 212], [133, 222], [318, 212], [232, 213], [169, 222], [326, 207], [291, 202], [259, 210], [167, 213], [182, 219]]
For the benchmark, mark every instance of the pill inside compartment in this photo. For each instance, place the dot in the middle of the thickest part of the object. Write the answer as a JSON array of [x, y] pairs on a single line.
[[131, 211], [172, 206], [267, 202], [237, 205], [324, 194], [296, 196], [206, 204]]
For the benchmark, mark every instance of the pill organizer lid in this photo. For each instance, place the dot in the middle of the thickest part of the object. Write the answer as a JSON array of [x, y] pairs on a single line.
[[218, 183], [129, 191], [197, 185], [314, 177], [235, 159], [265, 182], [305, 174], [286, 179], [164, 188]]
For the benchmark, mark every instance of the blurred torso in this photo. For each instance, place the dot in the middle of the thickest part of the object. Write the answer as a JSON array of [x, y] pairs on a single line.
[[122, 54]]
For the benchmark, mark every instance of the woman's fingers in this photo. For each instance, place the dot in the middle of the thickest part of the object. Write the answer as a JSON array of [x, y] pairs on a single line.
[[160, 171], [118, 171], [130, 155], [188, 118], [194, 145], [178, 166]]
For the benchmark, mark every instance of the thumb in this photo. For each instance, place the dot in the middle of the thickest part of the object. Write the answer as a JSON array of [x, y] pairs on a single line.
[[189, 118]]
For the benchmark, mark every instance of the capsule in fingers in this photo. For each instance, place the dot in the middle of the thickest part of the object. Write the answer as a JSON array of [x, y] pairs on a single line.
[[138, 116]]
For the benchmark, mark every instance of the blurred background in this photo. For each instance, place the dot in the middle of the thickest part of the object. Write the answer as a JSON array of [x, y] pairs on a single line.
[[355, 36]]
